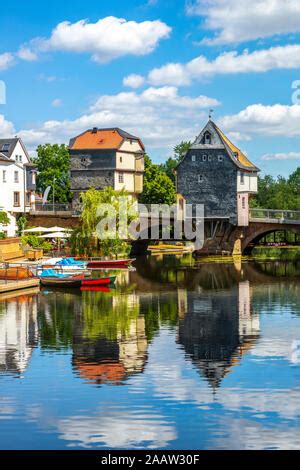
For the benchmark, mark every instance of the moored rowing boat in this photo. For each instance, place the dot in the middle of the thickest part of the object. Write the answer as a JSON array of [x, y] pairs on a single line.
[[116, 263]]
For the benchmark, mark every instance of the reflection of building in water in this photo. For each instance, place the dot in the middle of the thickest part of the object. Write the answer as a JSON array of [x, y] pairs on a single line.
[[217, 329], [18, 332], [102, 358]]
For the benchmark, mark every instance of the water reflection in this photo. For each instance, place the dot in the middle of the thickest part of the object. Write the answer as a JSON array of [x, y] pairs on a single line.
[[217, 328], [179, 355], [18, 331]]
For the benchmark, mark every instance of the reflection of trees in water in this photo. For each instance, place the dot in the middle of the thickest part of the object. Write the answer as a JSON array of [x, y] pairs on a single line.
[[159, 310], [287, 269]]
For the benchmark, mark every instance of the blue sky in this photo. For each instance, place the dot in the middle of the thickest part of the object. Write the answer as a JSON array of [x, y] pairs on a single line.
[[75, 64]]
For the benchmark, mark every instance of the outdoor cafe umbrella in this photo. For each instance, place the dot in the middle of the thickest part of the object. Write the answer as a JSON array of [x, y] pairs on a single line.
[[36, 230], [58, 229], [55, 235], [58, 235]]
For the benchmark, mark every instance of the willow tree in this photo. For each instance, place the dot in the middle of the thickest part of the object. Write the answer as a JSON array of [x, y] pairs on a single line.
[[102, 223]]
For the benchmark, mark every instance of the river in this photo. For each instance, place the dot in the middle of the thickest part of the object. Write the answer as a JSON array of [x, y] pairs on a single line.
[[178, 356]]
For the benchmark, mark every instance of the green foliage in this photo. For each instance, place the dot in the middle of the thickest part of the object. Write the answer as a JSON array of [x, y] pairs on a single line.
[[4, 220], [35, 242], [2, 236], [169, 166], [22, 223], [278, 193], [86, 239], [158, 187], [53, 163]]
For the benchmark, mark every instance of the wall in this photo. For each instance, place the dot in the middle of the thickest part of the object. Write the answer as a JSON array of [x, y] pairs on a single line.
[[250, 182], [218, 189]]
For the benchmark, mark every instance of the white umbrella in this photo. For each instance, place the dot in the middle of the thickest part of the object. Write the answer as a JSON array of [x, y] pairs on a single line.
[[36, 230], [58, 229], [56, 235]]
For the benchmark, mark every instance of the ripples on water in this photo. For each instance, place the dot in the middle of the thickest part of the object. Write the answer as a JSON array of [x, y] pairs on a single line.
[[177, 356]]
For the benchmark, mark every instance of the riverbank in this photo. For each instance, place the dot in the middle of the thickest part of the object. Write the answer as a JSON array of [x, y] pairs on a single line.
[[283, 253]]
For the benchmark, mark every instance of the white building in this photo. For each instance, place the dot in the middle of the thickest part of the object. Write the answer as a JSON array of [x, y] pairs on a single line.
[[17, 182]]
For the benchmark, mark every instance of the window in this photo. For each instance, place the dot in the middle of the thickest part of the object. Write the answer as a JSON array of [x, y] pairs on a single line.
[[244, 203], [4, 176], [121, 178], [209, 158], [33, 178], [27, 200], [16, 177], [204, 158], [242, 178], [121, 159], [220, 158], [16, 199], [193, 158], [5, 147], [20, 158], [200, 178], [207, 138]]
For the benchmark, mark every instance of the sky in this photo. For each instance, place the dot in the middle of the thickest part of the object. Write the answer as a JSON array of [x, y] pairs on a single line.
[[155, 68]]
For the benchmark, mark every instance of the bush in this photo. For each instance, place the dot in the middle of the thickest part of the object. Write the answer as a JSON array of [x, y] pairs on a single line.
[[2, 235], [35, 242]]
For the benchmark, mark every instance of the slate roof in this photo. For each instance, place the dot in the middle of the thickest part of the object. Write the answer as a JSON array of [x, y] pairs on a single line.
[[12, 144]]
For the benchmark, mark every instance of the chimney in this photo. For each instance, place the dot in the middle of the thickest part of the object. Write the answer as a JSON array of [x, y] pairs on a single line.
[[94, 130]]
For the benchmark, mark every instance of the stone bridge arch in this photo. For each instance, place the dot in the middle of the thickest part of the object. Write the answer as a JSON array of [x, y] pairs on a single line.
[[256, 230]]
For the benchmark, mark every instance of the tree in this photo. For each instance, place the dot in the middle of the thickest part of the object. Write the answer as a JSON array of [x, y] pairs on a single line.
[[4, 220], [87, 240], [179, 151], [278, 193], [53, 163], [158, 187]]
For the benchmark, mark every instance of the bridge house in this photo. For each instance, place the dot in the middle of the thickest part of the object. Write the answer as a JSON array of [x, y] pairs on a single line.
[[214, 172], [106, 157]]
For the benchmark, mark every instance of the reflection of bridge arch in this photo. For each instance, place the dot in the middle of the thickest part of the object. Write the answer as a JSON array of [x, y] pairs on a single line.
[[256, 231]]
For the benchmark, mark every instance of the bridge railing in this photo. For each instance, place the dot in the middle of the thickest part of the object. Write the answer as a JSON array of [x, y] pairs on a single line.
[[56, 208], [281, 216]]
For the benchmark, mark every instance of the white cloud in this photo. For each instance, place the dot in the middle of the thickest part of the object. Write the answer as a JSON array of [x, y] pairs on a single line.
[[25, 53], [107, 39], [281, 57], [236, 21], [258, 119], [118, 430], [6, 128], [160, 116], [57, 103], [281, 156], [6, 60], [133, 81]]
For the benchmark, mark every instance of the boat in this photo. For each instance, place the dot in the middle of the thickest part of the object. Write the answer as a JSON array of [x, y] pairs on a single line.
[[96, 289], [50, 278], [64, 265], [116, 263], [104, 281], [169, 248], [15, 273]]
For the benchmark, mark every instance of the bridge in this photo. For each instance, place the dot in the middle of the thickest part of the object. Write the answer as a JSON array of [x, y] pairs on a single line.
[[220, 235]]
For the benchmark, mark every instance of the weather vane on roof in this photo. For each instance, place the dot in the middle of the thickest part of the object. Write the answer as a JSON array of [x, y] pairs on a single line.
[[210, 113]]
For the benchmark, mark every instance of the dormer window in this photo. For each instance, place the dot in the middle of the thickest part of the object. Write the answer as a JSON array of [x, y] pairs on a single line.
[[200, 178], [220, 158], [5, 147], [193, 158], [207, 138], [204, 158]]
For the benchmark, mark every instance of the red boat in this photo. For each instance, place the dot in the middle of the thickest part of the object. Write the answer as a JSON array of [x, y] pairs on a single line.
[[96, 289], [116, 263], [104, 281]]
